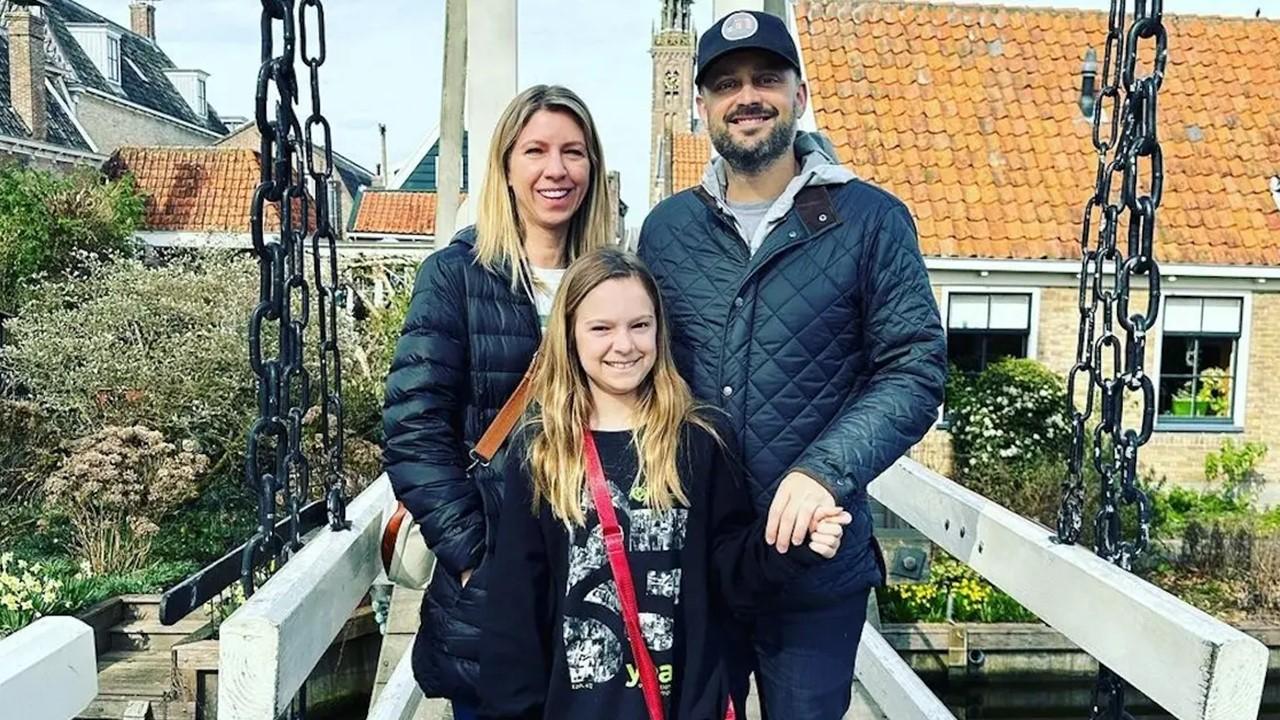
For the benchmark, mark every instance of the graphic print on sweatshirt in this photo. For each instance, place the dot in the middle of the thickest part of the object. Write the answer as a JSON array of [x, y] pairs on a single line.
[[595, 641]]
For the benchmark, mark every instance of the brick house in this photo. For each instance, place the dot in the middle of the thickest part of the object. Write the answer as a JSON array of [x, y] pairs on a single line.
[[971, 115], [76, 86]]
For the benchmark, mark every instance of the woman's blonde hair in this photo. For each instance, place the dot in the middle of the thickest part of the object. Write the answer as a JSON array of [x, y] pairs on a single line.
[[499, 230], [564, 401]]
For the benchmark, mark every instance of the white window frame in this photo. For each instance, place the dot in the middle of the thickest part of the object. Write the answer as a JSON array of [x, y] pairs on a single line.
[[1239, 386], [202, 97], [1033, 331], [114, 55]]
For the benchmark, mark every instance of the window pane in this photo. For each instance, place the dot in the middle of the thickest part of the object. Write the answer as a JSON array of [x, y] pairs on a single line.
[[1175, 395], [1222, 315], [964, 350], [1177, 366], [968, 312], [1182, 314], [1010, 312], [1216, 352], [1177, 356], [1000, 347]]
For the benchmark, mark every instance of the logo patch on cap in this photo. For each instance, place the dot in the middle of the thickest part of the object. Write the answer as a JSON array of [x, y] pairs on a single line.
[[739, 26]]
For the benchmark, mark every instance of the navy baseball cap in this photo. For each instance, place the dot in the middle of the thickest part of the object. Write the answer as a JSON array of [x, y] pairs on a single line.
[[742, 30]]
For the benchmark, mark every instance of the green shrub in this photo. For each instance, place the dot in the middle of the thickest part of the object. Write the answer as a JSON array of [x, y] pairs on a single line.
[[162, 347], [1234, 467], [54, 224]]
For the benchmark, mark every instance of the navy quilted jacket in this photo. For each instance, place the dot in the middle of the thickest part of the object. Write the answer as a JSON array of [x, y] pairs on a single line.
[[824, 345], [466, 342]]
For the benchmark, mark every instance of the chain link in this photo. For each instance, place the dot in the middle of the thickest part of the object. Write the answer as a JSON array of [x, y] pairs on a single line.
[[1124, 133]]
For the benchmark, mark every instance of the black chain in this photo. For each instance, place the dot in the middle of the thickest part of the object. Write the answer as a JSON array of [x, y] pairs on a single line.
[[276, 466], [1113, 368]]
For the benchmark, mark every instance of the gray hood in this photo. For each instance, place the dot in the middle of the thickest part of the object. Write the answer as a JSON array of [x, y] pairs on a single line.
[[818, 166]]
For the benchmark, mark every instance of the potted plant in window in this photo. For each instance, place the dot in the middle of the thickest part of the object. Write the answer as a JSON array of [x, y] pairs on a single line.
[[1214, 396], [1183, 401]]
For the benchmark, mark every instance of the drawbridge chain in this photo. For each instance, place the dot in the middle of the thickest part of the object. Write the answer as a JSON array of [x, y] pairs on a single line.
[[1125, 138]]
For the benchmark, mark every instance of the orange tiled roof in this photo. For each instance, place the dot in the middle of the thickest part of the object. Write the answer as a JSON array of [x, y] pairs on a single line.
[[396, 212], [968, 113], [690, 152], [201, 189]]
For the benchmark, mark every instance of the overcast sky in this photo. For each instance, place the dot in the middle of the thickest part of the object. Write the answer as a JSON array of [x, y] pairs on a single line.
[[384, 64]]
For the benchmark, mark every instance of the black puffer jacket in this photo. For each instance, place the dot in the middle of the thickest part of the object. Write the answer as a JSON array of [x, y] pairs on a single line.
[[467, 340]]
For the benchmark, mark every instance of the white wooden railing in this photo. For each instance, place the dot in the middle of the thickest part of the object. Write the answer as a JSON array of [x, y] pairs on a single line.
[[48, 670], [1193, 665]]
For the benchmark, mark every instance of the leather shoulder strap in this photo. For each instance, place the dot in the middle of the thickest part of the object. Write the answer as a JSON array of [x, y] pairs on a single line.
[[505, 422]]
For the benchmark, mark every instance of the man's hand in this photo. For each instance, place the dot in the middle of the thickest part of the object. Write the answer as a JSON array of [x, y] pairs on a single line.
[[465, 577], [791, 514]]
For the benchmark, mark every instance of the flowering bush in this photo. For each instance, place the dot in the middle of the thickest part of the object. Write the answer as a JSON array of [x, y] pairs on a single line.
[[115, 485], [26, 594], [954, 592], [1013, 414]]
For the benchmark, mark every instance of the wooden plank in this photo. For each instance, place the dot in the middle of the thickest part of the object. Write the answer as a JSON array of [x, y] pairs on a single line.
[[401, 696], [52, 659], [886, 679], [102, 617], [1193, 665], [270, 645]]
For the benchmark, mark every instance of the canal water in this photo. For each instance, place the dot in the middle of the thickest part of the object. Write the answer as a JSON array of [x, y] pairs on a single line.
[[1056, 701]]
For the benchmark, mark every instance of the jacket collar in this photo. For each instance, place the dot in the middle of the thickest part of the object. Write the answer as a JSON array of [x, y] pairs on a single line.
[[818, 167]]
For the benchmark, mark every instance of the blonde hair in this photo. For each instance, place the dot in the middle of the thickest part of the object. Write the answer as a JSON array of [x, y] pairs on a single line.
[[499, 230], [564, 405]]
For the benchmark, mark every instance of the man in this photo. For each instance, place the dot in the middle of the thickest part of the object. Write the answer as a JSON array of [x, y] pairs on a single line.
[[800, 304]]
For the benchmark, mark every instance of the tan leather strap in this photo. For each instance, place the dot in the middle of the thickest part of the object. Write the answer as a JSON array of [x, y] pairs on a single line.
[[391, 533], [505, 422]]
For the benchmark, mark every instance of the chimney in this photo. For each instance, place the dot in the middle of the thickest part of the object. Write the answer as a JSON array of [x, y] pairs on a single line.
[[26, 67], [142, 19]]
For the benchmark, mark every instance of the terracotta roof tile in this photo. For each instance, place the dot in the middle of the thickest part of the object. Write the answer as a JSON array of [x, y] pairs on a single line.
[[983, 98], [396, 212], [193, 189]]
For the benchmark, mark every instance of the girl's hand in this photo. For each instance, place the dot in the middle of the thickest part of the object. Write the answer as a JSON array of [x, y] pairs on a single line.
[[827, 529]]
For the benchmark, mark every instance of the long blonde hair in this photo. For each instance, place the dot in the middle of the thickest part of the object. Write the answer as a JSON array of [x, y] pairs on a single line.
[[564, 402], [499, 231]]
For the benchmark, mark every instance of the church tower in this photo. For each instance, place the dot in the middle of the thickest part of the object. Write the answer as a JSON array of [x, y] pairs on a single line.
[[674, 45]]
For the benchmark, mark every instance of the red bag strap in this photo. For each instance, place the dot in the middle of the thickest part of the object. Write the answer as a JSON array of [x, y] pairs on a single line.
[[615, 543]]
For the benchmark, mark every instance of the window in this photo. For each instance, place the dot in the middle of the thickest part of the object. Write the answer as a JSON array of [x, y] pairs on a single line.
[[113, 60], [985, 327], [1198, 358], [201, 102]]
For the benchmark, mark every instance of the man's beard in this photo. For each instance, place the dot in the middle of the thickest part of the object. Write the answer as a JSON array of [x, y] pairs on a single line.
[[753, 160]]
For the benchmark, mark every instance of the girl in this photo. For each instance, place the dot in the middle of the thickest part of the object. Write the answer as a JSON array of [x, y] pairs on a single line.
[[472, 328], [616, 439]]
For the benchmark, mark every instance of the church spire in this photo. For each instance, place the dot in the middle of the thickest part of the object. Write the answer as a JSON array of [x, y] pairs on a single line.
[[677, 16]]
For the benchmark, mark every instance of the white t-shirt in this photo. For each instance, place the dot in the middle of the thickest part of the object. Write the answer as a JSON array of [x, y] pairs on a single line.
[[544, 291]]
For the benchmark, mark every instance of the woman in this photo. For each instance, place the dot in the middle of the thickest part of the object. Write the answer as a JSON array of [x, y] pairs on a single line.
[[616, 448], [469, 335]]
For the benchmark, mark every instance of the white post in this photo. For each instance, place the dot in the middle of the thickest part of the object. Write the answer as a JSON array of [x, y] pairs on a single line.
[[270, 645], [48, 670], [1193, 665], [492, 58], [452, 104], [402, 696]]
